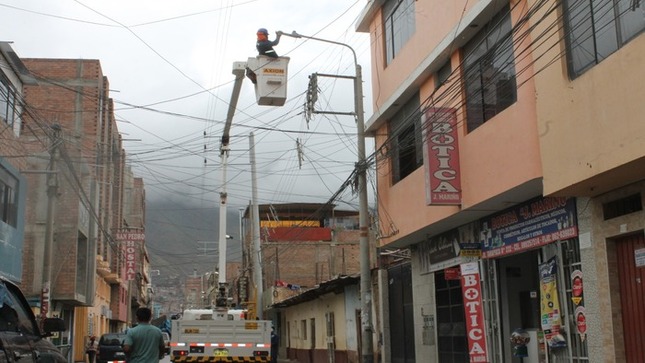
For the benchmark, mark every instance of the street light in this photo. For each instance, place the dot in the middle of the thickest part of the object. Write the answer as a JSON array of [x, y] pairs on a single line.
[[361, 166]]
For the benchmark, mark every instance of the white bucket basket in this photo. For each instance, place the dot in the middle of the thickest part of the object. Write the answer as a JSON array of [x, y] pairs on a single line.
[[271, 79]]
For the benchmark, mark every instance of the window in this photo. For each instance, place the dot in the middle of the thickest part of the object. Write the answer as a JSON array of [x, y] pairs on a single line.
[[442, 75], [597, 28], [489, 71], [8, 196], [399, 26], [14, 317], [7, 102], [303, 329], [405, 133]]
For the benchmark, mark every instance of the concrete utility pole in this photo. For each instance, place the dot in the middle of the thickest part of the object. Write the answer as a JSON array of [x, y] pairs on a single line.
[[361, 166], [256, 255], [52, 196]]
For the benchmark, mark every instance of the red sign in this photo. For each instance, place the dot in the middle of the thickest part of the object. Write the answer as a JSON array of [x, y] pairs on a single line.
[[452, 273], [443, 181], [471, 289]]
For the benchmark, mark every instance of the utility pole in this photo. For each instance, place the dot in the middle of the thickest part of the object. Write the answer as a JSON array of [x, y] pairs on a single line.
[[256, 256], [52, 196], [367, 352]]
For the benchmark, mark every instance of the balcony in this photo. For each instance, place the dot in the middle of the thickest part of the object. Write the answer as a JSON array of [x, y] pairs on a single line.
[[102, 267]]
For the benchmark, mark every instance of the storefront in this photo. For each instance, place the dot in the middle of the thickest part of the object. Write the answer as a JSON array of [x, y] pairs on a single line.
[[509, 287], [532, 283]]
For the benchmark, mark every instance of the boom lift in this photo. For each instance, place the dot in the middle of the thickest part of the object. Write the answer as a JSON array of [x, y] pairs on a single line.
[[220, 334]]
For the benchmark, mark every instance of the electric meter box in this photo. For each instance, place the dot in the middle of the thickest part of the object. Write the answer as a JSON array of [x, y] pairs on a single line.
[[271, 79]]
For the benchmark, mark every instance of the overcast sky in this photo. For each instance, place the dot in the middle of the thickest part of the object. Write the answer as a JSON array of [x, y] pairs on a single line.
[[175, 59]]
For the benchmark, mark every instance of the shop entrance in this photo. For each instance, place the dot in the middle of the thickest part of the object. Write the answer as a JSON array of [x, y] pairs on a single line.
[[630, 253], [519, 297]]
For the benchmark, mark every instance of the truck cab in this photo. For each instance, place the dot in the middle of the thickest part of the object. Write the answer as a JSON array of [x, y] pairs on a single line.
[[21, 339]]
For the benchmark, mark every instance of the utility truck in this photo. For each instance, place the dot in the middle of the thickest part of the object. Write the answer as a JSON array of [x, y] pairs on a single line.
[[222, 334]]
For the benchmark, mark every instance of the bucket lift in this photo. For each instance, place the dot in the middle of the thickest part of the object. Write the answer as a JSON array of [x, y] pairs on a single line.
[[269, 75]]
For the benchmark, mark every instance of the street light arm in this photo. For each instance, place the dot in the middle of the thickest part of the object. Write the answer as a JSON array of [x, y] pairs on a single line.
[[294, 34]]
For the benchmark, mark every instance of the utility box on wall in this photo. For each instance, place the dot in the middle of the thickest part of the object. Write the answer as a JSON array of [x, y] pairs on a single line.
[[271, 79]]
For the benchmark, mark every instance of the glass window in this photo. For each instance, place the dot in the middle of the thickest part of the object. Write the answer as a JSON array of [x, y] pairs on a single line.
[[597, 28], [489, 71], [407, 143], [13, 315], [8, 102], [8, 203], [399, 26]]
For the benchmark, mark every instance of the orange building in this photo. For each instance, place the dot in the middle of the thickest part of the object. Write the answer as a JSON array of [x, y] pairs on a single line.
[[509, 153]]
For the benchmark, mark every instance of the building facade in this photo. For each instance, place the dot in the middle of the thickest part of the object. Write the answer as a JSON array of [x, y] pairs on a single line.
[[499, 170], [13, 184], [75, 210]]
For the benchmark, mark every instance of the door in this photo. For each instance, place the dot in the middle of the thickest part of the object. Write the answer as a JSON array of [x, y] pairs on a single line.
[[451, 324], [401, 314], [630, 253]]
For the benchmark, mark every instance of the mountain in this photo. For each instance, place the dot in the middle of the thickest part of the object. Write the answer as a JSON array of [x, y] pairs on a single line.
[[182, 238]]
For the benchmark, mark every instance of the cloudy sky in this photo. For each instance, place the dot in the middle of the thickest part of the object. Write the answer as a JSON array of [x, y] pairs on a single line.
[[169, 67]]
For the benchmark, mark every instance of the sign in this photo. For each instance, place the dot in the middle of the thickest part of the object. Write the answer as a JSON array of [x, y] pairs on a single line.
[[639, 256], [451, 248], [581, 322], [131, 243], [550, 317], [576, 287], [441, 156], [44, 301], [452, 273], [471, 289], [533, 224]]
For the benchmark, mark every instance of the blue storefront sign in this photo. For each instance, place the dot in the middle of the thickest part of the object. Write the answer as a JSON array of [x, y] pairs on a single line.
[[529, 225]]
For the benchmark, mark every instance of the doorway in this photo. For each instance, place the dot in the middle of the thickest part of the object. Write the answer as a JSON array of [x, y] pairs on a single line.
[[519, 297], [630, 254]]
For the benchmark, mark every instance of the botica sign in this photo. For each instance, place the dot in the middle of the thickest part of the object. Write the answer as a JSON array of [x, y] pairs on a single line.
[[441, 151]]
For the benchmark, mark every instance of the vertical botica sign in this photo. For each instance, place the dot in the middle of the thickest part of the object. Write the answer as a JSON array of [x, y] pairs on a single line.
[[441, 156], [131, 243], [472, 292]]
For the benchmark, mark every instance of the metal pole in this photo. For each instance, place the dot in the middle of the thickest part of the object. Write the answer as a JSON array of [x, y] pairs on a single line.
[[366, 279], [256, 255]]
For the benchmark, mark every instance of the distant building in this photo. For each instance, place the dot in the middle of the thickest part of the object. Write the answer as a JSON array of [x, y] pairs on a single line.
[[76, 160]]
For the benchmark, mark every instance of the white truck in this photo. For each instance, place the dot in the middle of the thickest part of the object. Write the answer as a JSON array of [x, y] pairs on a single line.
[[222, 334], [199, 336]]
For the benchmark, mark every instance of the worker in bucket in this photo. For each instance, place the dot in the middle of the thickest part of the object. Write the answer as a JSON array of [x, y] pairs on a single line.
[[264, 45]]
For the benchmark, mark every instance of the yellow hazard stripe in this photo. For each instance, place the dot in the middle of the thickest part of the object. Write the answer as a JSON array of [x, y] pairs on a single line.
[[213, 359]]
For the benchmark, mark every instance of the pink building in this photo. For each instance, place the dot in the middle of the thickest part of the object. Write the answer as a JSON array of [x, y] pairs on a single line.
[[509, 153]]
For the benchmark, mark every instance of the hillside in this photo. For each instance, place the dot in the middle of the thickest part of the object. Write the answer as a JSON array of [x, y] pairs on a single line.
[[182, 239]]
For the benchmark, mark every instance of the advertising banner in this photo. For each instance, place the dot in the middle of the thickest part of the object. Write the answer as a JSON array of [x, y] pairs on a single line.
[[529, 225], [441, 156], [131, 243], [550, 313], [472, 293], [451, 248]]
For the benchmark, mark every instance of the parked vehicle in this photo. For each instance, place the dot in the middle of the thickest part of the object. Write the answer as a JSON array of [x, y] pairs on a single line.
[[166, 341], [111, 348], [21, 339]]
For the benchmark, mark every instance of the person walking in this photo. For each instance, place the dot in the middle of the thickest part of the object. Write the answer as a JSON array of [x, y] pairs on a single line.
[[144, 343], [90, 349], [264, 45], [275, 344]]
